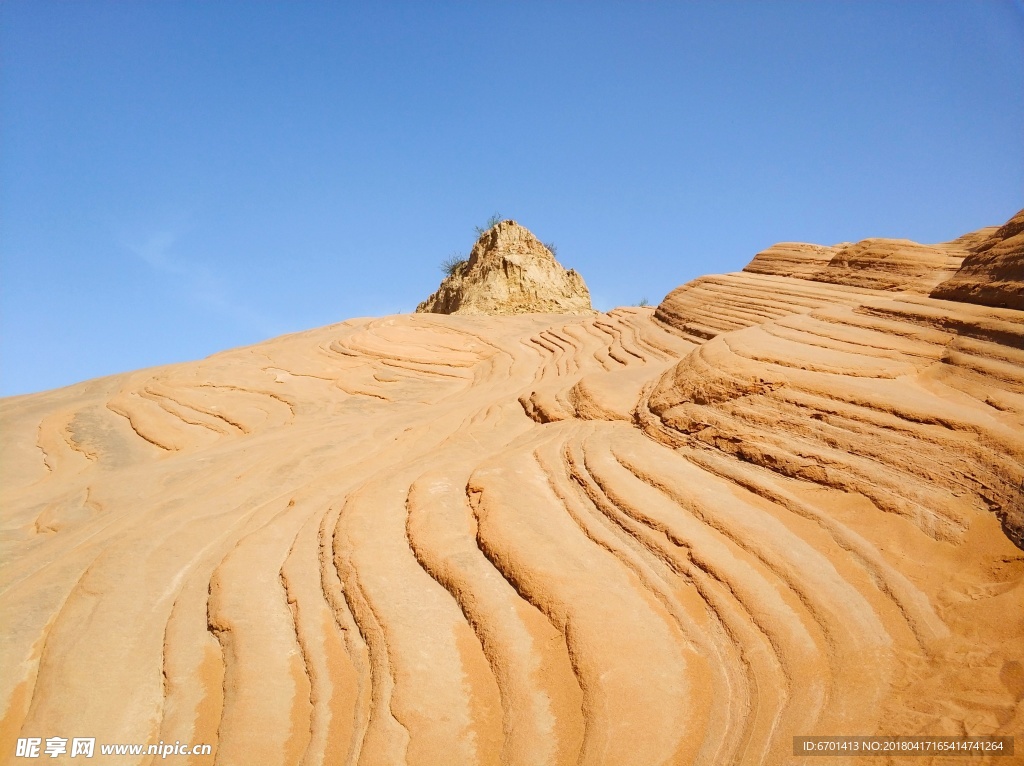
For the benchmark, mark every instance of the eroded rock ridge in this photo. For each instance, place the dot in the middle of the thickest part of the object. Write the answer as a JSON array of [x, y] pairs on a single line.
[[510, 271]]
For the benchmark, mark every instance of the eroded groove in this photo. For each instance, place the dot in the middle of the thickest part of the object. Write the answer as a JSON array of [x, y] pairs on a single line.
[[771, 506]]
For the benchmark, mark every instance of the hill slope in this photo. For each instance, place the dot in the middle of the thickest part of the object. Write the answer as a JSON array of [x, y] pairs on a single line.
[[780, 504]]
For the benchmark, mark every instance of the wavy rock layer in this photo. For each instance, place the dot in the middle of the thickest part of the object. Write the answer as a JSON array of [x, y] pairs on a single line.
[[892, 264], [993, 274], [510, 271], [777, 507]]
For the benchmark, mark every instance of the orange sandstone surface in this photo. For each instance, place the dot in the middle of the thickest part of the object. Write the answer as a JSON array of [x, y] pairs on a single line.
[[789, 501]]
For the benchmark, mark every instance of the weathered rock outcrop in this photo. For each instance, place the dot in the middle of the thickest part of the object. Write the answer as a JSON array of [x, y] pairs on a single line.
[[993, 274], [894, 265], [984, 266], [774, 507], [510, 271], [792, 259]]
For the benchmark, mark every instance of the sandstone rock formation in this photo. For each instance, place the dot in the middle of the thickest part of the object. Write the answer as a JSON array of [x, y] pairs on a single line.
[[774, 506], [792, 259], [993, 274], [510, 271], [897, 265], [891, 264]]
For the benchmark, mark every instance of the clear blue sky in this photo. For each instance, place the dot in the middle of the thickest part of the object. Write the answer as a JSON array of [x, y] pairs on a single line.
[[179, 178]]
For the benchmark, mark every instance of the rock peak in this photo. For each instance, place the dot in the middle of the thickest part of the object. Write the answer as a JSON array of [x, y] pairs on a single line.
[[509, 237], [510, 271]]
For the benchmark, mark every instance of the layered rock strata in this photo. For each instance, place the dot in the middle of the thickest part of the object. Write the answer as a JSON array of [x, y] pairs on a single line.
[[775, 506], [993, 274]]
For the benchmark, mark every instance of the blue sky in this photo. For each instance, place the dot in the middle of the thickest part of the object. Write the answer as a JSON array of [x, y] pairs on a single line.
[[178, 178]]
